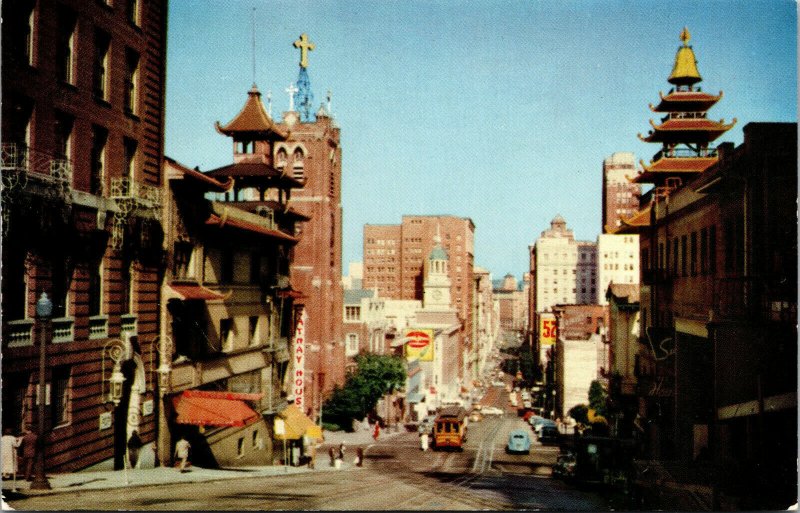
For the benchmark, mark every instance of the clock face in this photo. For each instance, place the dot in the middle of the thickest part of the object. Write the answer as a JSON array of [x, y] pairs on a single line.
[[437, 294]]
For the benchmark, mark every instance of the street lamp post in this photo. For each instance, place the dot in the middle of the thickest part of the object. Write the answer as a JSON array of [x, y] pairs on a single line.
[[44, 312]]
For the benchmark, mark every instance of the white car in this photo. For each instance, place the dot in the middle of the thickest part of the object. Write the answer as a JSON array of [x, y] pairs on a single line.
[[492, 410]]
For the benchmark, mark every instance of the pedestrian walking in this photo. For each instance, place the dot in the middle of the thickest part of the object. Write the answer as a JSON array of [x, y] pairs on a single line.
[[134, 445], [312, 454], [423, 441], [182, 449], [29, 441], [359, 456], [9, 448], [377, 431], [340, 456], [332, 455]]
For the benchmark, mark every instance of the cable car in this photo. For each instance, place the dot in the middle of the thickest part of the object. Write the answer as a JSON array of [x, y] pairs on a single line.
[[450, 428]]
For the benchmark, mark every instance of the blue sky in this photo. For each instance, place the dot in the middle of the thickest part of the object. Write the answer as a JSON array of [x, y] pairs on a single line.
[[500, 111]]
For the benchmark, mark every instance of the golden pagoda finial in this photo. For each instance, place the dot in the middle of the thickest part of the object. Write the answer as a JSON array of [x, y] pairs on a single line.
[[684, 72], [685, 36]]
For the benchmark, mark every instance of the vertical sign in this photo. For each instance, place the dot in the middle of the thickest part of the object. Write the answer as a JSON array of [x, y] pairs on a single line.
[[547, 329], [299, 360]]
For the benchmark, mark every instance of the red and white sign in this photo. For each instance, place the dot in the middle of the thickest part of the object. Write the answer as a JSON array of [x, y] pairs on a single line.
[[299, 358], [419, 344]]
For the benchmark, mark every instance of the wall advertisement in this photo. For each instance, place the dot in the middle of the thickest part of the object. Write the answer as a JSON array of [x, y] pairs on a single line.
[[547, 329], [419, 345]]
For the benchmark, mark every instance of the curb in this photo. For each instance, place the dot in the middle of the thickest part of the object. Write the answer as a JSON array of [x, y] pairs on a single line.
[[20, 494]]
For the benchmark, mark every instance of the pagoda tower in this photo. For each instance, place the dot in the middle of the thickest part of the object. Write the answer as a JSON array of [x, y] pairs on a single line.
[[254, 136], [685, 132]]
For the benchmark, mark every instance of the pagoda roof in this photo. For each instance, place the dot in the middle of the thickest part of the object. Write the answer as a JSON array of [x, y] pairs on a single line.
[[689, 130], [253, 119], [686, 101], [632, 224], [245, 226], [181, 172], [671, 166], [253, 174]]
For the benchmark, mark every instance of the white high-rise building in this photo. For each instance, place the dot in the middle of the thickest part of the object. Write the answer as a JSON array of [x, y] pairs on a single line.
[[564, 271], [617, 262]]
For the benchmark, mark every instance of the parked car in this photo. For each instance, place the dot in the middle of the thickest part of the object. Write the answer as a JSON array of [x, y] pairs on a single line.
[[548, 435], [492, 410], [565, 466], [542, 424], [519, 441], [534, 420]]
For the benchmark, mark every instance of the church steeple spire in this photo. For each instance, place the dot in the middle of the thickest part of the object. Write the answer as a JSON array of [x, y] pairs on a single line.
[[304, 98]]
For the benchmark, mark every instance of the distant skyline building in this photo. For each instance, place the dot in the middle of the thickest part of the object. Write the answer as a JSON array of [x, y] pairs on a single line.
[[512, 302], [617, 262], [620, 195], [394, 257], [563, 270]]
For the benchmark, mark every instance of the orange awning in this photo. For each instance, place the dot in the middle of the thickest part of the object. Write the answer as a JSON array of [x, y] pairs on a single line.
[[207, 408]]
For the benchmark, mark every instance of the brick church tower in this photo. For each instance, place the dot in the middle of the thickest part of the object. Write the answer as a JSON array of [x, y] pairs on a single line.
[[312, 155]]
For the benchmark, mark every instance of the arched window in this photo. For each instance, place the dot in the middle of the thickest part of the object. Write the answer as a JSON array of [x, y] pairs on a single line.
[[298, 172], [280, 158]]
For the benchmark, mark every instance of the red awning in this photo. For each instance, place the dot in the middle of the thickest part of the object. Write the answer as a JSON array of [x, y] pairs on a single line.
[[194, 291], [206, 408], [294, 294]]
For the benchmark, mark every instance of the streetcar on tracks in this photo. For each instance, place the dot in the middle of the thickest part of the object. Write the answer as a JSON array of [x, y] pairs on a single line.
[[450, 428]]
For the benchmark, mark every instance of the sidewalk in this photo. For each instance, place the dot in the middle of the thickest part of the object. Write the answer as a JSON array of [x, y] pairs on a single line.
[[99, 480]]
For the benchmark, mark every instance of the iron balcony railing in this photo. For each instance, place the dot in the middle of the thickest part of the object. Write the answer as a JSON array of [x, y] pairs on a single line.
[[125, 190], [20, 163], [685, 153]]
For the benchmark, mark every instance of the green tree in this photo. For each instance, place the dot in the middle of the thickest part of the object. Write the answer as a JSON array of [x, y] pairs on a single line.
[[580, 412], [528, 366], [374, 377], [598, 398]]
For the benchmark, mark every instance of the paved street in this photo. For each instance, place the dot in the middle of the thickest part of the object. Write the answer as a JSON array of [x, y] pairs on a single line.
[[395, 475]]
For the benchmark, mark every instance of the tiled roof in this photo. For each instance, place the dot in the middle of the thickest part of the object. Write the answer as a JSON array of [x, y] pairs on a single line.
[[253, 118]]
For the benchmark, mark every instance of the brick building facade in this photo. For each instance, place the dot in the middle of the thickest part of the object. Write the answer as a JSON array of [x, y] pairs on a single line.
[[83, 121], [312, 154]]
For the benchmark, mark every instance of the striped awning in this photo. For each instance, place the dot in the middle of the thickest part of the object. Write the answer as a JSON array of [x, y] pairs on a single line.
[[209, 408]]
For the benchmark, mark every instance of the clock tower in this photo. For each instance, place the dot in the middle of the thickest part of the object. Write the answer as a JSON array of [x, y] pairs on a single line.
[[437, 281]]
